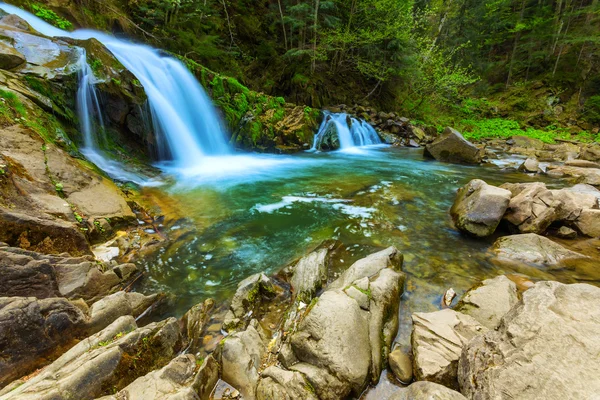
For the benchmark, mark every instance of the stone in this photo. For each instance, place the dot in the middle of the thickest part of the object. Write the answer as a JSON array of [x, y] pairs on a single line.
[[105, 311], [588, 223], [572, 203], [112, 358], [550, 336], [452, 147], [533, 249], [9, 57], [248, 296], [490, 301], [276, 383], [582, 164], [531, 165], [310, 273], [401, 365], [566, 233], [194, 322], [426, 391], [206, 378], [527, 142], [369, 266], [437, 341], [532, 208], [33, 330], [359, 296], [590, 176], [479, 208], [585, 188], [591, 153], [241, 356]]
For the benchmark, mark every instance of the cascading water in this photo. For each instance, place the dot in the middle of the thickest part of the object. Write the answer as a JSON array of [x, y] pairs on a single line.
[[341, 131], [183, 117]]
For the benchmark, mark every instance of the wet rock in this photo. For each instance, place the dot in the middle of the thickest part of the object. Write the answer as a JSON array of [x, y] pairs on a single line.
[[566, 233], [276, 383], [426, 390], [588, 223], [479, 208], [452, 147], [582, 164], [369, 266], [531, 165], [310, 273], [242, 354], [532, 208], [108, 360], [401, 365], [250, 292], [437, 341], [105, 311], [489, 302], [533, 249], [550, 336], [206, 378], [9, 57], [194, 321], [33, 330]]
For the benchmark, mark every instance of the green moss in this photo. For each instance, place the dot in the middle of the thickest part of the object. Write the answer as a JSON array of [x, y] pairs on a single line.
[[51, 17], [96, 66]]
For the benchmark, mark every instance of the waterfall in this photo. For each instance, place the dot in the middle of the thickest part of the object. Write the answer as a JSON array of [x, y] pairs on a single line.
[[342, 131], [185, 121]]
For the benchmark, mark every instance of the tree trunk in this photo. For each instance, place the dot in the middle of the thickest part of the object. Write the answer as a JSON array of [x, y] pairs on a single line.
[[228, 24], [315, 24], [283, 24], [515, 45]]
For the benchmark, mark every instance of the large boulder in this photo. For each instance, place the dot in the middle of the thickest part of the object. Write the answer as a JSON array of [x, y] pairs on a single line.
[[33, 330], [9, 57], [588, 223], [533, 249], [452, 147], [532, 208], [573, 203], [437, 341], [479, 208], [546, 347], [310, 274], [490, 301], [426, 391]]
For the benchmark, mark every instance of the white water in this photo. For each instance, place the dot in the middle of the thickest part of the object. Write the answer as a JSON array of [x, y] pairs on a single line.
[[183, 117], [356, 133]]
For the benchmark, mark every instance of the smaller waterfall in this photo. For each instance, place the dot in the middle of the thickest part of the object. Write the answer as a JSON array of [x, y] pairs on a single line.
[[342, 131]]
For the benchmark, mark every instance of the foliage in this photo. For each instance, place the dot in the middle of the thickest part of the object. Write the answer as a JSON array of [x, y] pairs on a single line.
[[51, 17]]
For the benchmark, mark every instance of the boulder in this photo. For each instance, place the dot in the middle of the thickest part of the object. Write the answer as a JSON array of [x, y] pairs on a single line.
[[587, 189], [194, 321], [591, 153], [582, 164], [490, 301], [437, 341], [533, 249], [310, 273], [572, 203], [566, 233], [9, 57], [452, 147], [276, 383], [369, 266], [206, 378], [531, 165], [546, 347], [103, 312], [247, 298], [32, 331], [401, 365], [479, 208], [590, 176], [588, 223], [104, 362], [426, 391], [532, 208]]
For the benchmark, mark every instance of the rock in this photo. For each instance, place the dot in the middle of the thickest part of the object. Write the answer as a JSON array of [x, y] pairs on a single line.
[[361, 297], [276, 383], [105, 311], [591, 176], [550, 336], [582, 164], [530, 165], [42, 235], [369, 266], [242, 355], [32, 331], [9, 57], [250, 292], [489, 302], [206, 378], [23, 276], [194, 321], [454, 148], [588, 223], [437, 341], [572, 203], [334, 336], [527, 142], [566, 233], [479, 208], [533, 249], [426, 391], [108, 360], [591, 153], [310, 273], [401, 365], [585, 188], [532, 208], [170, 382]]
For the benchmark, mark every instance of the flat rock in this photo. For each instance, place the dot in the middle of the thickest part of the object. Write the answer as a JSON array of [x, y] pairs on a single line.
[[437, 341], [490, 301], [550, 336], [582, 164], [533, 249], [590, 176], [452, 147], [426, 391], [479, 208]]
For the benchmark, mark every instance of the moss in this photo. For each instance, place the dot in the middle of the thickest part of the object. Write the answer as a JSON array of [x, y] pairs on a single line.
[[51, 17], [96, 66]]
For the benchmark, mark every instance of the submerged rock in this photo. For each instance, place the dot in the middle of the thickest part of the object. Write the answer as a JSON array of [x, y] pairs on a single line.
[[437, 341], [489, 302], [546, 347], [533, 249], [452, 147], [479, 208]]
